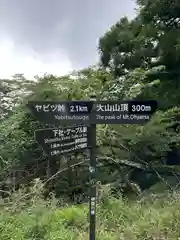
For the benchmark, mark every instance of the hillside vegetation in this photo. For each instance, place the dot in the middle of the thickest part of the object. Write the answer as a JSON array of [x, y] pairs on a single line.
[[151, 217], [139, 59]]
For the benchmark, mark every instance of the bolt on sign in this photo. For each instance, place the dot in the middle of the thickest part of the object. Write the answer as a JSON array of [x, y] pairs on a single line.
[[88, 113], [60, 141]]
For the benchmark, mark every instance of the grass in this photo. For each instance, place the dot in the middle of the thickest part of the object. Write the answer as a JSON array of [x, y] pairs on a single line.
[[151, 218]]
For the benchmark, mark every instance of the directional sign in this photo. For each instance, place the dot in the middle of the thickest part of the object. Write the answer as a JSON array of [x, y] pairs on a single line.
[[58, 141], [89, 112]]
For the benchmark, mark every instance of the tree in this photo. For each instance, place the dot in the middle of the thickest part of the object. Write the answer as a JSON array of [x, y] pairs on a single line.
[[163, 17], [138, 61], [17, 131], [12, 93], [143, 55], [124, 47], [151, 39]]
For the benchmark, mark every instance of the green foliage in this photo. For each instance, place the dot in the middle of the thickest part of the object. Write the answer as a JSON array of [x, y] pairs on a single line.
[[123, 47], [133, 55], [136, 52], [152, 38], [139, 60], [17, 131], [152, 216], [12, 93], [163, 16]]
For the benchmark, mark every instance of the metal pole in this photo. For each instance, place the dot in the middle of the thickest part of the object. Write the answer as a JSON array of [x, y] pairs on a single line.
[[92, 176]]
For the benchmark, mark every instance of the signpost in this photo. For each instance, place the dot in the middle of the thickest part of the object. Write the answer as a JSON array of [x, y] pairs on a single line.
[[85, 114], [89, 112], [60, 141]]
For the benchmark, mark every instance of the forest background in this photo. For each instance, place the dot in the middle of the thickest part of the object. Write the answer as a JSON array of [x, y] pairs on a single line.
[[138, 59]]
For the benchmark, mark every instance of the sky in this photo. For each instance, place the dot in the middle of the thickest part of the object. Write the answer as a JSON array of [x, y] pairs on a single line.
[[54, 36]]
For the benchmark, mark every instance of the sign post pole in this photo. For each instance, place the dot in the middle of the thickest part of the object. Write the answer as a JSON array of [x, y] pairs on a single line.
[[72, 139], [92, 180]]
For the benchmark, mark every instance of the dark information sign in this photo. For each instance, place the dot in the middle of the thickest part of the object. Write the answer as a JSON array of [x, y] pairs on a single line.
[[89, 112], [60, 141]]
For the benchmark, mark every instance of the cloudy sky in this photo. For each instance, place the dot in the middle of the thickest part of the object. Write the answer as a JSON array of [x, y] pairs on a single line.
[[54, 36]]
